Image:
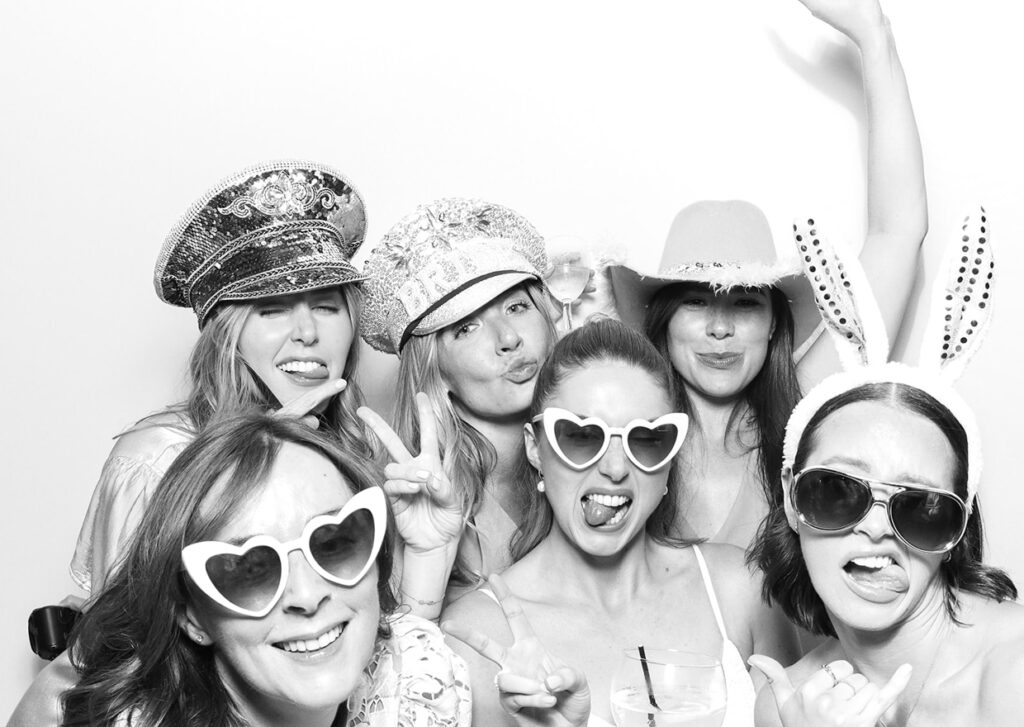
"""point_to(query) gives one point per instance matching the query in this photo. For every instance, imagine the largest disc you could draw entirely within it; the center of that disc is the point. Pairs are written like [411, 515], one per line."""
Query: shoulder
[41, 704]
[1002, 675]
[736, 583]
[149, 439]
[477, 609]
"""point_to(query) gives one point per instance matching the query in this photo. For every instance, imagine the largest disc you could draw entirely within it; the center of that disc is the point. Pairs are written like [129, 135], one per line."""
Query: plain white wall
[589, 118]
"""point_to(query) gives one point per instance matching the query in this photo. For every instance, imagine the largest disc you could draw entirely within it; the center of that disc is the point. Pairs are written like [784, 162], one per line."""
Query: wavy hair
[598, 341]
[769, 398]
[130, 652]
[469, 457]
[777, 551]
[222, 385]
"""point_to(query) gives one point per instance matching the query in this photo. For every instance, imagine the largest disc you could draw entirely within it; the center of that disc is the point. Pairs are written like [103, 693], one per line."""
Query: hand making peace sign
[428, 510]
[534, 687]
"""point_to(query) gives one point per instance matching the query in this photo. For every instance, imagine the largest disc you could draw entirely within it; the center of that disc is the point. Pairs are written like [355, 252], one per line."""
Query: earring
[540, 486]
[199, 638]
[665, 491]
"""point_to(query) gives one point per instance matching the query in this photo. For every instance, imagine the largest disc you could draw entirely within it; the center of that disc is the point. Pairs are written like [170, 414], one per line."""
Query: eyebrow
[241, 539]
[909, 478]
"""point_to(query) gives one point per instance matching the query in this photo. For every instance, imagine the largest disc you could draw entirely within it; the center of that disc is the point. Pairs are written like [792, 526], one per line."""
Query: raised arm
[896, 197]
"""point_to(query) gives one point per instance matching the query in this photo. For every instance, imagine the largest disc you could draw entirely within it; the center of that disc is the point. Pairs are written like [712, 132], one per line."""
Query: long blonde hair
[469, 457]
[223, 385]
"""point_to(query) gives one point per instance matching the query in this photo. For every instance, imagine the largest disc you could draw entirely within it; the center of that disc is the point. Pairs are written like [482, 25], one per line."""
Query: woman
[264, 260]
[737, 323]
[455, 290]
[902, 583]
[898, 584]
[214, 618]
[597, 568]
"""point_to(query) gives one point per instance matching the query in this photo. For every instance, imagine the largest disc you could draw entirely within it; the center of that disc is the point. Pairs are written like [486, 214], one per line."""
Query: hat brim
[286, 282]
[634, 290]
[468, 299]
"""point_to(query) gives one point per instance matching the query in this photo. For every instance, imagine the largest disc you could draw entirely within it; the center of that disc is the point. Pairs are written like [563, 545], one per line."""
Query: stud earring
[540, 486]
[199, 638]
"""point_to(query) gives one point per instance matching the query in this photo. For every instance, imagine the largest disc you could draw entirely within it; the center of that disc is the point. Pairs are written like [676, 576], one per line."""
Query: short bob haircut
[600, 340]
[130, 652]
[777, 549]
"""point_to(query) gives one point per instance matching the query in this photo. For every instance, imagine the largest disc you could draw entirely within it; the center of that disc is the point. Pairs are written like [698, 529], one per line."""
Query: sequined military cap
[272, 229]
[441, 263]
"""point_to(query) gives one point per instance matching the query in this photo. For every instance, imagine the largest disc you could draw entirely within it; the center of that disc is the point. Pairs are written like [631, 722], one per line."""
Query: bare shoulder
[734, 581]
[1000, 694]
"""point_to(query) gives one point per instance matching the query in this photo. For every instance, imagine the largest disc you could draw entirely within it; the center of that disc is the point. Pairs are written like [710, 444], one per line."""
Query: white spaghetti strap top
[739, 710]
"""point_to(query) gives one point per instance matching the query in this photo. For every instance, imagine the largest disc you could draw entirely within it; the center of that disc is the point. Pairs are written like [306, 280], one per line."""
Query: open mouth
[877, 572]
[605, 510]
[304, 370]
[318, 643]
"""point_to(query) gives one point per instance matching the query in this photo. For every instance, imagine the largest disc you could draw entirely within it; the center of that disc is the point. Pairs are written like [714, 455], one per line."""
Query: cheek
[257, 342]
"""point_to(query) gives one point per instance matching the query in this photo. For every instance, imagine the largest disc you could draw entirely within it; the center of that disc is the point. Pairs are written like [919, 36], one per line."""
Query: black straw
[650, 688]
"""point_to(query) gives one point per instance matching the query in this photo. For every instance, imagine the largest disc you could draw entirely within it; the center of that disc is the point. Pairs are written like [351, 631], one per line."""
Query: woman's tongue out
[601, 510]
[878, 572]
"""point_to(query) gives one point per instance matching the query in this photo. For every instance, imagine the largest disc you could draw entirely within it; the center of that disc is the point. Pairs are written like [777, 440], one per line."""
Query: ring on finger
[828, 670]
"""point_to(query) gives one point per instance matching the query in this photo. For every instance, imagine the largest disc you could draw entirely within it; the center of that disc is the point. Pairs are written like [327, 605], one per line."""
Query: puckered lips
[878, 575]
[305, 371]
[521, 370]
[315, 643]
[603, 509]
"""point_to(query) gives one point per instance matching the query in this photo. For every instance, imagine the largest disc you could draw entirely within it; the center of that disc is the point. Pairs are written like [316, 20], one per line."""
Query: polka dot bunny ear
[962, 304]
[844, 298]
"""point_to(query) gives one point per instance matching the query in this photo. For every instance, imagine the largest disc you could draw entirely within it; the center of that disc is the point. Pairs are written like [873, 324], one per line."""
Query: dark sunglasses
[250, 578]
[581, 442]
[925, 518]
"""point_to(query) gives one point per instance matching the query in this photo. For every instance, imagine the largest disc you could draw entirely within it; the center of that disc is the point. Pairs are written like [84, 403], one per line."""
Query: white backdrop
[589, 119]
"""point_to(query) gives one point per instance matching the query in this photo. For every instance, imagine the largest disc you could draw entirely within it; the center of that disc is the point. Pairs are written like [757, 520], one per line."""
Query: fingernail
[553, 683]
[423, 474]
[340, 384]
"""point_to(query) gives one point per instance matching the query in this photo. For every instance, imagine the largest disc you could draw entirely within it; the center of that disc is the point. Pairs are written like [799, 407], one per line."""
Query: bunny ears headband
[959, 316]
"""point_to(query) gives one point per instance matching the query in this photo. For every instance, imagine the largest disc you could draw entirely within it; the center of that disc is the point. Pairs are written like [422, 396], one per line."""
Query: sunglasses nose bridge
[876, 524]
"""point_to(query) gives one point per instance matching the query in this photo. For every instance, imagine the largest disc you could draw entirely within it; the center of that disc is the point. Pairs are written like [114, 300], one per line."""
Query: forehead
[616, 391]
[886, 442]
[301, 484]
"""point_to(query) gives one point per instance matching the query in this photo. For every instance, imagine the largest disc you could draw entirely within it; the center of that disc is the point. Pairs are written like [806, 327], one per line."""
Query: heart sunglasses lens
[579, 444]
[250, 580]
[344, 549]
[652, 446]
[830, 500]
[929, 521]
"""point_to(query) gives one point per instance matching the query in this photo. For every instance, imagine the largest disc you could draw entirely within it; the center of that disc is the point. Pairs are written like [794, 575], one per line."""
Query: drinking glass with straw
[666, 687]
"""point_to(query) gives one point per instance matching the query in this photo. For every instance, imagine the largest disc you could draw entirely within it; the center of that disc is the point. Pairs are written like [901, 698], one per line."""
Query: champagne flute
[666, 687]
[567, 283]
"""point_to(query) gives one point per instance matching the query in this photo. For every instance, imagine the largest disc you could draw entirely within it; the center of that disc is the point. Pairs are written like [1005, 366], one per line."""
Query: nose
[613, 463]
[303, 325]
[508, 338]
[876, 523]
[306, 590]
[720, 322]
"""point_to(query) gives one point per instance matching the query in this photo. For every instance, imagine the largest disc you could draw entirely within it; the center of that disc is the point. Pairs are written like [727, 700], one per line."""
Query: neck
[505, 435]
[611, 582]
[915, 641]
